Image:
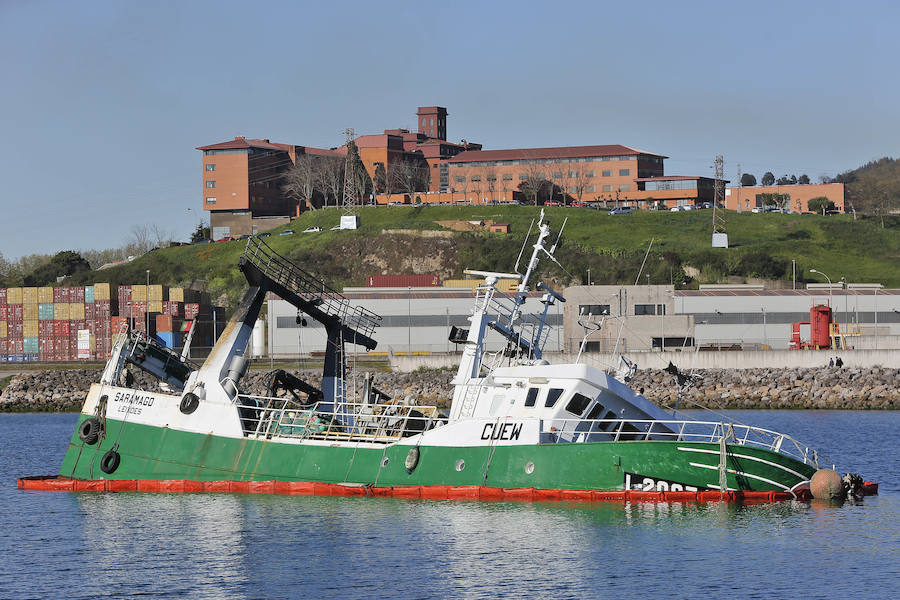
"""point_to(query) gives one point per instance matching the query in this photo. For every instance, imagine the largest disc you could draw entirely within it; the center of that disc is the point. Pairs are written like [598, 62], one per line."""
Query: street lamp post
[147, 308]
[846, 300]
[830, 297]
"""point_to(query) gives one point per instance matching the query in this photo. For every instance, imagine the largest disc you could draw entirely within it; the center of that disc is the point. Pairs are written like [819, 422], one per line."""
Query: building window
[523, 176]
[460, 179]
[556, 174]
[607, 173]
[607, 188]
[660, 309]
[590, 173]
[624, 172]
[210, 184]
[624, 187]
[573, 174]
[507, 177]
[644, 309]
[590, 189]
[593, 309]
[210, 200]
[475, 178]
[211, 167]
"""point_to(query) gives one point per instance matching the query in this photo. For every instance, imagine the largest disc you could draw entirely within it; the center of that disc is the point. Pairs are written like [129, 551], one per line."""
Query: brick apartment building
[242, 185]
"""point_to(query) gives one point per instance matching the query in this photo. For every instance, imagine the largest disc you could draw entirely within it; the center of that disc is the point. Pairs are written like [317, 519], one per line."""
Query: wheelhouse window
[552, 396]
[578, 404]
[531, 396]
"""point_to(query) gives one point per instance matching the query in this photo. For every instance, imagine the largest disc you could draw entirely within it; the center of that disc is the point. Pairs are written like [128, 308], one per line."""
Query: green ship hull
[160, 453]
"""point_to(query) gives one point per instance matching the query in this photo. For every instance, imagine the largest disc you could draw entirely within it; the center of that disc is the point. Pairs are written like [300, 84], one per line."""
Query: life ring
[110, 462]
[412, 459]
[189, 403]
[89, 431]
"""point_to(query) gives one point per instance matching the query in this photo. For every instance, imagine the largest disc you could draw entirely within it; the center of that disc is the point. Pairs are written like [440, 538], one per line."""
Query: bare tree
[535, 179]
[332, 179]
[303, 180]
[580, 182]
[489, 172]
[412, 177]
[161, 237]
[141, 239]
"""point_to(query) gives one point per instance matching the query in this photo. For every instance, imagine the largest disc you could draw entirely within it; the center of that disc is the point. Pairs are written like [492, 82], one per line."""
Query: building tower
[432, 121]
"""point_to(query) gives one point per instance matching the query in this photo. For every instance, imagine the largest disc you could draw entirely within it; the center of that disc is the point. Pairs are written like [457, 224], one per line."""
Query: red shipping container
[15, 346]
[14, 313]
[89, 311]
[45, 329]
[191, 310]
[403, 280]
[3, 343]
[164, 323]
[2, 295]
[3, 309]
[61, 328]
[75, 327]
[76, 294]
[60, 295]
[14, 329]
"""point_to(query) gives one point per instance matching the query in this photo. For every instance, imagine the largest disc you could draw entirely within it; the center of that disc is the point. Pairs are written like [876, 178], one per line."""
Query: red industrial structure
[819, 330]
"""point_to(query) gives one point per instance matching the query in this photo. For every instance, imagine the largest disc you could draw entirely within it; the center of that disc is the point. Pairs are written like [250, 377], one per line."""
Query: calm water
[89, 545]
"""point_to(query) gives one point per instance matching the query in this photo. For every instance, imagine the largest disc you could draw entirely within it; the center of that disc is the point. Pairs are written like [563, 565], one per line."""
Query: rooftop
[543, 153]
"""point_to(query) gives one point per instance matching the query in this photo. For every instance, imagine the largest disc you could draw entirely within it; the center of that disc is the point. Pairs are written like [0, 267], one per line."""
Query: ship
[518, 427]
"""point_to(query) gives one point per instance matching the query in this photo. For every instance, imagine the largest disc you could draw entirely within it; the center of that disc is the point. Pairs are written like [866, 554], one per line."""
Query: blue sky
[104, 102]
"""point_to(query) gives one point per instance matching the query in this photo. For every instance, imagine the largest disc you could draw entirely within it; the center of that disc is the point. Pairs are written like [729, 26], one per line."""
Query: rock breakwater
[825, 388]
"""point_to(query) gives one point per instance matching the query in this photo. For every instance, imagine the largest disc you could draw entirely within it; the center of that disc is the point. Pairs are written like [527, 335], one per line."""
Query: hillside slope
[408, 240]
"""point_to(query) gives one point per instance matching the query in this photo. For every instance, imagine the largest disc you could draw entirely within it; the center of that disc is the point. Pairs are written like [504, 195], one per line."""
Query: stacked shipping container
[80, 323]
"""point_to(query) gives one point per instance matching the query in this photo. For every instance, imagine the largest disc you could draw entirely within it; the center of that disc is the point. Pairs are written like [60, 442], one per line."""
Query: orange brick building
[794, 197]
[242, 185]
[582, 173]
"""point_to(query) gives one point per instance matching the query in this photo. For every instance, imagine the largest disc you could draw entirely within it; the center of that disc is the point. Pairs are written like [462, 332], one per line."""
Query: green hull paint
[161, 453]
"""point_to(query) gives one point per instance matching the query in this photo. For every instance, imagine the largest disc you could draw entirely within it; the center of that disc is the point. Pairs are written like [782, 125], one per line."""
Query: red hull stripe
[435, 492]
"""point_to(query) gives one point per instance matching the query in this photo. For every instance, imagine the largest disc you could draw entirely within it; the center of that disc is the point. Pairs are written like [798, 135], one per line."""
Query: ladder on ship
[268, 271]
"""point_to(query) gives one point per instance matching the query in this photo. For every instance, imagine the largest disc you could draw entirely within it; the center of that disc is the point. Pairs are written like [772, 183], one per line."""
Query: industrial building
[788, 197]
[642, 318]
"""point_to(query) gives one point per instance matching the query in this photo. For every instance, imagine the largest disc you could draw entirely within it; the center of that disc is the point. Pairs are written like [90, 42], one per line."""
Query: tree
[768, 178]
[412, 176]
[331, 179]
[380, 179]
[301, 181]
[581, 182]
[62, 264]
[748, 180]
[804, 179]
[820, 204]
[535, 180]
[200, 233]
[783, 180]
[489, 172]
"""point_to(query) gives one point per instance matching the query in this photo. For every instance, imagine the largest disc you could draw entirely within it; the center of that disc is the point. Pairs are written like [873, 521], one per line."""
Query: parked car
[242, 237]
[226, 239]
[287, 232]
[676, 209]
[312, 230]
[262, 235]
[621, 210]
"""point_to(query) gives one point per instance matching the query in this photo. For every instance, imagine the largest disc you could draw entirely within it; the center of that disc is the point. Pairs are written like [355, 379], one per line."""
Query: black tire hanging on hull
[110, 462]
[89, 431]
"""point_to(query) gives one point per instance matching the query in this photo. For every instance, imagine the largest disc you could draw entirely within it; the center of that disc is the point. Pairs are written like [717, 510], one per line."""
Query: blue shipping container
[88, 293]
[30, 345]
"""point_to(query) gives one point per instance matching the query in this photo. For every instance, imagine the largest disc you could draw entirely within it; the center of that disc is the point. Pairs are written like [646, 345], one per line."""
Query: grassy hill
[405, 240]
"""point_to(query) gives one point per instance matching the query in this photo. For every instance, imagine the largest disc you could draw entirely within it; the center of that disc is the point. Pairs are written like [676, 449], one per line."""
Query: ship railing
[595, 430]
[380, 423]
[309, 287]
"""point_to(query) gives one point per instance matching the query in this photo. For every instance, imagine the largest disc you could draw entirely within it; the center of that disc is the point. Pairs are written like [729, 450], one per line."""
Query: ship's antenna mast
[524, 243]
